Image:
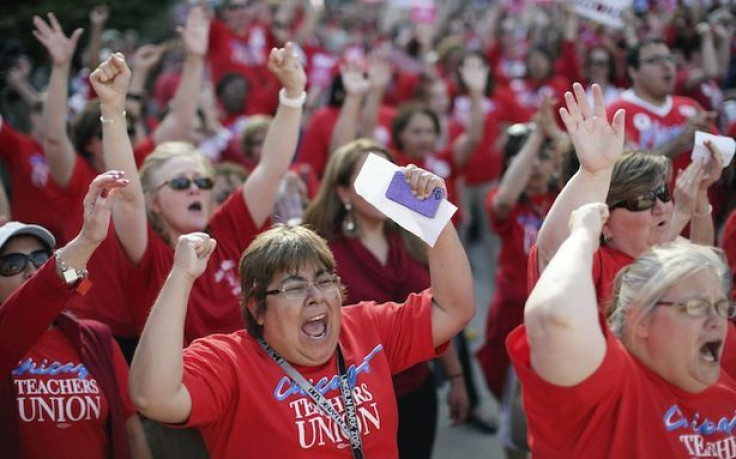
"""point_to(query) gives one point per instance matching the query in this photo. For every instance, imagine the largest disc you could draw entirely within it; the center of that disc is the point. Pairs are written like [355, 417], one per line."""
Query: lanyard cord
[351, 429]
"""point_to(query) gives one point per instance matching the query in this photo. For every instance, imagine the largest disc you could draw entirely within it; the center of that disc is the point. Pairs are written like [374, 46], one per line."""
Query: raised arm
[156, 371]
[261, 187]
[379, 76]
[356, 86]
[145, 58]
[97, 19]
[516, 177]
[177, 123]
[598, 145]
[701, 121]
[110, 81]
[474, 74]
[57, 146]
[451, 280]
[561, 315]
[702, 230]
[39, 298]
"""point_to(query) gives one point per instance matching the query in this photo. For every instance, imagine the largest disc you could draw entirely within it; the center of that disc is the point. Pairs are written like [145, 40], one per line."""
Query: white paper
[606, 12]
[725, 145]
[371, 184]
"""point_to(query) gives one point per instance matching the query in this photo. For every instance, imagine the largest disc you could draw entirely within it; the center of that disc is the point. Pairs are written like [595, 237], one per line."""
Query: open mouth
[195, 207]
[710, 351]
[316, 327]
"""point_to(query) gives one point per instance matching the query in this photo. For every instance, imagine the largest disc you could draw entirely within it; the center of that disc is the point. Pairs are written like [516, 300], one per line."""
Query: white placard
[725, 145]
[606, 12]
[372, 182]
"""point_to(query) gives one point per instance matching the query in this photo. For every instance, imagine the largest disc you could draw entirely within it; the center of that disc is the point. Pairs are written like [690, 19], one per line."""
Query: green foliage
[152, 19]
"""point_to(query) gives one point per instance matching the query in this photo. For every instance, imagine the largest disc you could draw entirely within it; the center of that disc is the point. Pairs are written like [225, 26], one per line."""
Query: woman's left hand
[98, 204]
[687, 185]
[457, 401]
[423, 183]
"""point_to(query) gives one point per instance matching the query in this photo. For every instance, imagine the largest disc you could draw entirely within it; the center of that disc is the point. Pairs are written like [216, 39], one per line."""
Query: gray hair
[642, 283]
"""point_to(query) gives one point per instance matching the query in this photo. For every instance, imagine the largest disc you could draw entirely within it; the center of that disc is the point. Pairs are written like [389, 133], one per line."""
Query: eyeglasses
[699, 307]
[299, 289]
[183, 183]
[13, 263]
[645, 201]
[599, 62]
[658, 60]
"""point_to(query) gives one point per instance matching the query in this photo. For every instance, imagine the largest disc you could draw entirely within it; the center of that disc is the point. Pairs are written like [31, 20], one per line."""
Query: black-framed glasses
[183, 183]
[645, 201]
[699, 307]
[658, 60]
[14, 263]
[299, 289]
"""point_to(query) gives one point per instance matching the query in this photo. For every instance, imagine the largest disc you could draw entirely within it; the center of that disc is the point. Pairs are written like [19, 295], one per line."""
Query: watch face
[70, 276]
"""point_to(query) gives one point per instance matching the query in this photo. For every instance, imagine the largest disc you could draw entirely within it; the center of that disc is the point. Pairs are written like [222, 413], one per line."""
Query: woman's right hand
[590, 218]
[597, 143]
[111, 80]
[192, 253]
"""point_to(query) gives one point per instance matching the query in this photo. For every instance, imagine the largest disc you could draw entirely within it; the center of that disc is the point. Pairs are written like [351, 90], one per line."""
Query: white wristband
[104, 120]
[287, 101]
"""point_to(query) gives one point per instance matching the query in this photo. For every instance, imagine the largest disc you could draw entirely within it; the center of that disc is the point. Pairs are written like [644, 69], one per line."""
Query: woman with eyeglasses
[174, 197]
[634, 187]
[378, 261]
[65, 381]
[645, 383]
[308, 377]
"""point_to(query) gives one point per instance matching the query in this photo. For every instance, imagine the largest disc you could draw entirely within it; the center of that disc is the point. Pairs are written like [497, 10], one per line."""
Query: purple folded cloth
[399, 191]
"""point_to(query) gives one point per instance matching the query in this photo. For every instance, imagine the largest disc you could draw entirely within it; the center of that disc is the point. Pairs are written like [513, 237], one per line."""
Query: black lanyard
[351, 429]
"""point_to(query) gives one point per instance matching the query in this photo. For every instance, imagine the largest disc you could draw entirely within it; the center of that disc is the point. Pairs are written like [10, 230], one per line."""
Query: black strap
[352, 428]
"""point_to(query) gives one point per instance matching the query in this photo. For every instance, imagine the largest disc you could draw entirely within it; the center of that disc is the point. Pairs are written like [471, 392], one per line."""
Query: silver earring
[348, 223]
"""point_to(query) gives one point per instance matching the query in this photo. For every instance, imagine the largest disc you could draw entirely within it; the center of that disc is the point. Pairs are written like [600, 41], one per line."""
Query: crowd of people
[187, 268]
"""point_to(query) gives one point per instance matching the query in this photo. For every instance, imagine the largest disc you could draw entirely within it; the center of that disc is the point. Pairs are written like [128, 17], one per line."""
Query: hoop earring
[349, 228]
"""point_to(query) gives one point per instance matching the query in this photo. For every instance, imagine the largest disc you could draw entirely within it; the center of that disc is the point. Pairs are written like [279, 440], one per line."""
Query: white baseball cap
[12, 229]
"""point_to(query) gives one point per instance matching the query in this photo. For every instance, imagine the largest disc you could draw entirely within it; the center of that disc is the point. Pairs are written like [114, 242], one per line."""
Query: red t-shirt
[649, 126]
[485, 163]
[623, 410]
[247, 55]
[35, 197]
[708, 94]
[315, 146]
[110, 272]
[214, 304]
[366, 279]
[62, 412]
[245, 406]
[607, 262]
[518, 233]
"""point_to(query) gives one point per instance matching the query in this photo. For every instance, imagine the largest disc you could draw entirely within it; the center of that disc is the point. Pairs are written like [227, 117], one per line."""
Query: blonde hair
[155, 162]
[641, 284]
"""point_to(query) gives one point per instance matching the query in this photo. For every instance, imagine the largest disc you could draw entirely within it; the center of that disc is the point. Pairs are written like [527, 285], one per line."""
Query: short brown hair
[282, 248]
[635, 173]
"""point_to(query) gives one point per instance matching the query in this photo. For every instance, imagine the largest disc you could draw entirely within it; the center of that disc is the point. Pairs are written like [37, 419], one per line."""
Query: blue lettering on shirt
[286, 387]
[29, 366]
[674, 419]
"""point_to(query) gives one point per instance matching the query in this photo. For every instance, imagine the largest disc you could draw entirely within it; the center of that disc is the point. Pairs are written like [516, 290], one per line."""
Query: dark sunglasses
[13, 263]
[183, 183]
[645, 201]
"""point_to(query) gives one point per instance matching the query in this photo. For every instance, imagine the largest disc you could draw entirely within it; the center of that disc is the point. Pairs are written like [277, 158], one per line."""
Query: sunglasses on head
[645, 201]
[13, 263]
[183, 183]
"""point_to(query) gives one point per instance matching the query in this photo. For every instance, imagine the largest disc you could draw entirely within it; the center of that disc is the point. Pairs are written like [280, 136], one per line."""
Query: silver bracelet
[104, 120]
[287, 101]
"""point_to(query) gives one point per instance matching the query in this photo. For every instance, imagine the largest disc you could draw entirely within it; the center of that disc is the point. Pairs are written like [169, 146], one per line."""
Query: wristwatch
[73, 277]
